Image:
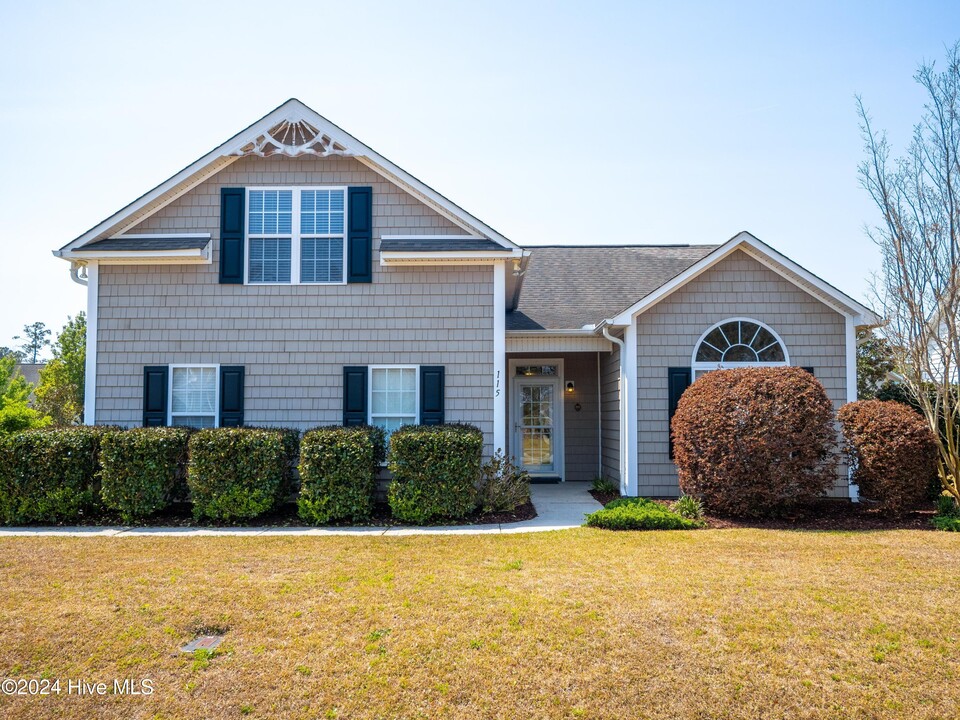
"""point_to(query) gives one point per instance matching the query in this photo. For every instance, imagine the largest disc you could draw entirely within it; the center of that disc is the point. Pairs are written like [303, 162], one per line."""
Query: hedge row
[229, 473]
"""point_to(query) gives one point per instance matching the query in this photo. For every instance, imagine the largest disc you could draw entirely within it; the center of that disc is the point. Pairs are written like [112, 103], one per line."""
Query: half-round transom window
[740, 341]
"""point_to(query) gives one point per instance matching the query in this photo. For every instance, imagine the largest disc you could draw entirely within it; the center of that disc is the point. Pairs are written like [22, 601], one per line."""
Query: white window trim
[216, 396]
[699, 368]
[295, 237]
[416, 390]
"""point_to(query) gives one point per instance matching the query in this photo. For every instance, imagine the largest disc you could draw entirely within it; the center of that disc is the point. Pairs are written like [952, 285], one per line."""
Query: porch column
[629, 484]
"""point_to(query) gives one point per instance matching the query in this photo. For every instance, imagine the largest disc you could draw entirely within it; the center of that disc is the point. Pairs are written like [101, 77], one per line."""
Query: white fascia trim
[433, 237]
[499, 357]
[90, 369]
[630, 443]
[192, 256]
[398, 257]
[744, 240]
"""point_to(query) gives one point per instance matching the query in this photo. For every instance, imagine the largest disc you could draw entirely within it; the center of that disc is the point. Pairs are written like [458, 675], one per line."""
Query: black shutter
[431, 395]
[360, 235]
[231, 396]
[155, 389]
[678, 380]
[231, 235]
[354, 395]
[809, 370]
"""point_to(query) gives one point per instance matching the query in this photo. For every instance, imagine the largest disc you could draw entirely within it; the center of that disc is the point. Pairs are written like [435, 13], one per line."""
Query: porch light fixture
[570, 386]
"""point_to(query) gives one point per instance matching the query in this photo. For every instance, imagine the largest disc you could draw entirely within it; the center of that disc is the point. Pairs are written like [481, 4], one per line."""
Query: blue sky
[566, 123]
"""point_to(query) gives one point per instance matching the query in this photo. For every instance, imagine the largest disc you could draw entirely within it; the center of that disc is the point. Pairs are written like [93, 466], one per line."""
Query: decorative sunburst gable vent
[293, 138]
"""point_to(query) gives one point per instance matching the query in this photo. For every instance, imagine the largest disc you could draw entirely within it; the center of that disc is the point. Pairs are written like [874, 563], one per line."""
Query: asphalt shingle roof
[445, 245]
[179, 243]
[568, 287]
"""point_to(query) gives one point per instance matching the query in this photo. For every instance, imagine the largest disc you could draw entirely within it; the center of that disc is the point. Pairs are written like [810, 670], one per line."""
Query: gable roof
[766, 255]
[292, 129]
[568, 287]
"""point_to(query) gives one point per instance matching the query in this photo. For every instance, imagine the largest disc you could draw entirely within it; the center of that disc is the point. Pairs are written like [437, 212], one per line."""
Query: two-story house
[295, 277]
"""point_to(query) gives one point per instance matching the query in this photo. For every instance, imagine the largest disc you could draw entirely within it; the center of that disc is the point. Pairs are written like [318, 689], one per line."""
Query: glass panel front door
[535, 426]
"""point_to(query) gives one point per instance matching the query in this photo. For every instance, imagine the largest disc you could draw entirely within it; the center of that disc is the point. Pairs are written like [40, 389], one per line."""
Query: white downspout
[624, 390]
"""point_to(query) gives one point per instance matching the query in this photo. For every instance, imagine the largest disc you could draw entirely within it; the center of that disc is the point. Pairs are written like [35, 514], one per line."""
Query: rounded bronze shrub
[892, 450]
[755, 441]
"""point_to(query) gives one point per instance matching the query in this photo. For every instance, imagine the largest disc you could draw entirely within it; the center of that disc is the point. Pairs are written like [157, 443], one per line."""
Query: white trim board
[90, 369]
[756, 249]
[228, 152]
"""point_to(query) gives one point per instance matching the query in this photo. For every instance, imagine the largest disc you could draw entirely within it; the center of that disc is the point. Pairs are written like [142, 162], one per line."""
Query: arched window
[738, 342]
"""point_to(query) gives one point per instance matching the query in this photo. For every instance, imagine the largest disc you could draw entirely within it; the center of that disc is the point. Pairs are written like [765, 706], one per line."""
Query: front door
[536, 424]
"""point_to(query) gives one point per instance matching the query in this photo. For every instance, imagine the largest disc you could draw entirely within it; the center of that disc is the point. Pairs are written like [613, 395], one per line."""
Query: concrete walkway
[559, 507]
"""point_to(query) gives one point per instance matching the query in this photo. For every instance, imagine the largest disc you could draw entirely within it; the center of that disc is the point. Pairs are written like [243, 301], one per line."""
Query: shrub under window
[435, 471]
[235, 472]
[755, 441]
[338, 472]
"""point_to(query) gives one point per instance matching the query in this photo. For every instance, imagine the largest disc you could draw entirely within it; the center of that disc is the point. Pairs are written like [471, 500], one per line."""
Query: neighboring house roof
[568, 287]
[292, 130]
[441, 244]
[185, 242]
[31, 371]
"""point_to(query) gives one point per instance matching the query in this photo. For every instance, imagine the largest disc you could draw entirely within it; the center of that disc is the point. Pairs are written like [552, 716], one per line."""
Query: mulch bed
[180, 515]
[823, 515]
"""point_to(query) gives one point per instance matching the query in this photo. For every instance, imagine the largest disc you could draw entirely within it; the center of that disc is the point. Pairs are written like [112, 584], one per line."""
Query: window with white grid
[393, 397]
[193, 396]
[296, 235]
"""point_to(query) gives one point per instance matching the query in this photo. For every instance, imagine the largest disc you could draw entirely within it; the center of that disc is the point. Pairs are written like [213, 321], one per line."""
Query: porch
[563, 414]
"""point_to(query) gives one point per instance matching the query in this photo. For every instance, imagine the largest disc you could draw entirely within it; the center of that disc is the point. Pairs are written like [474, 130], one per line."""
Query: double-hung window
[393, 397]
[296, 235]
[193, 396]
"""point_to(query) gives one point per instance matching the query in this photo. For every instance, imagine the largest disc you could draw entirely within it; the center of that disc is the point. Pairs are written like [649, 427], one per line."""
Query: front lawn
[741, 623]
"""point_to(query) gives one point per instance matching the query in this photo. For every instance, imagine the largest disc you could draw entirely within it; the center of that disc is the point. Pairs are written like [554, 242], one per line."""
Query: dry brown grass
[578, 624]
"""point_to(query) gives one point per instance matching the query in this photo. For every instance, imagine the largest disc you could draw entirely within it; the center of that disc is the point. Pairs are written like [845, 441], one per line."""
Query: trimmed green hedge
[236, 472]
[50, 475]
[290, 437]
[141, 469]
[639, 514]
[435, 471]
[338, 472]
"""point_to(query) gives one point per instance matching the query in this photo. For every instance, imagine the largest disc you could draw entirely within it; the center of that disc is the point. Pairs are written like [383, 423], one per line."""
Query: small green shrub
[639, 514]
[435, 471]
[503, 486]
[50, 475]
[235, 472]
[689, 507]
[338, 472]
[605, 486]
[290, 437]
[141, 469]
[947, 506]
[948, 523]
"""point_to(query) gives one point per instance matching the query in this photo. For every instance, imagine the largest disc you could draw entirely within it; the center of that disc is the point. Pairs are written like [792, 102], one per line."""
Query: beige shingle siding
[736, 287]
[295, 340]
[610, 412]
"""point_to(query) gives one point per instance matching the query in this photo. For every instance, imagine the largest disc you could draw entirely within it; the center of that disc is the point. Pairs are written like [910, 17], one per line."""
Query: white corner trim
[629, 480]
[90, 370]
[753, 247]
[851, 357]
[499, 357]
